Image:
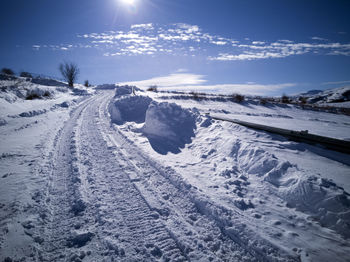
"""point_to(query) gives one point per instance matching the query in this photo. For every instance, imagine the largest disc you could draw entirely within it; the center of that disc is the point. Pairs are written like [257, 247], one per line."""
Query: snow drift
[129, 109]
[123, 90]
[169, 127]
[320, 198]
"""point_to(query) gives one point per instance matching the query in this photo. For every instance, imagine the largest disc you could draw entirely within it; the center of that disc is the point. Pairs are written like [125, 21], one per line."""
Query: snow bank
[324, 200]
[169, 127]
[131, 109]
[33, 113]
[320, 198]
[106, 86]
[123, 90]
[2, 122]
[21, 89]
[48, 82]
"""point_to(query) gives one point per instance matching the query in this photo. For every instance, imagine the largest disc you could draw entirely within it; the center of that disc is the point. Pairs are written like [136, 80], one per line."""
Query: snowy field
[112, 176]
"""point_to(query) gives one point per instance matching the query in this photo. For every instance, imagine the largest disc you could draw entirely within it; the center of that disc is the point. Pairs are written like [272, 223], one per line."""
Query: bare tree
[69, 72]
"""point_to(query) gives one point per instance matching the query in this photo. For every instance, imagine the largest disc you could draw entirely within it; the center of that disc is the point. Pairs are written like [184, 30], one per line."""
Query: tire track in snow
[126, 226]
[58, 213]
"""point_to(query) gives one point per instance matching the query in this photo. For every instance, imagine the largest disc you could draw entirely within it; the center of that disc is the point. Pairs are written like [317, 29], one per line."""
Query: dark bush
[32, 96]
[7, 71]
[263, 101]
[237, 98]
[26, 74]
[198, 96]
[86, 83]
[153, 88]
[285, 99]
[302, 100]
[47, 94]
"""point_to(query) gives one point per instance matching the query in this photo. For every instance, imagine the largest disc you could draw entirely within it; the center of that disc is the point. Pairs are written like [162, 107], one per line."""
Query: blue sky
[252, 47]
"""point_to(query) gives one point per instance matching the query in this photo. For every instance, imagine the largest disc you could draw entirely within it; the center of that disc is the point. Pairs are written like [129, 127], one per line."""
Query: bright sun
[128, 2]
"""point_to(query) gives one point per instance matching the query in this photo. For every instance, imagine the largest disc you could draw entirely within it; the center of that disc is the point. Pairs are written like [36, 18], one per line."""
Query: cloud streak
[281, 49]
[172, 80]
[193, 82]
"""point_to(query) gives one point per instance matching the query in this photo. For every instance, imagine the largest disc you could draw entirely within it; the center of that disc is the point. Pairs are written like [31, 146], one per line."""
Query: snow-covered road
[107, 200]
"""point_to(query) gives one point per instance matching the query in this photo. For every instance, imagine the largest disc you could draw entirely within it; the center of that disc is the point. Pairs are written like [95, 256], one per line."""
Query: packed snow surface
[114, 176]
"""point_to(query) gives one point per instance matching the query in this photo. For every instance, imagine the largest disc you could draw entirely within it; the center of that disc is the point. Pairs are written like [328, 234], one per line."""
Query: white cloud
[258, 43]
[193, 82]
[190, 40]
[172, 80]
[248, 56]
[336, 82]
[177, 38]
[281, 49]
[181, 70]
[248, 89]
[142, 26]
[337, 52]
[319, 38]
[219, 42]
[285, 41]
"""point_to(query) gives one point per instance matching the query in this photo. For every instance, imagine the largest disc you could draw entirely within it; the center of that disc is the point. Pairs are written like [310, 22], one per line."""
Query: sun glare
[128, 2]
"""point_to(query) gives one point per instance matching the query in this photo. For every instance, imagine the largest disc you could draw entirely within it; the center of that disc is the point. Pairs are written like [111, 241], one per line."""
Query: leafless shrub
[70, 72]
[153, 88]
[302, 100]
[237, 98]
[198, 96]
[263, 101]
[285, 99]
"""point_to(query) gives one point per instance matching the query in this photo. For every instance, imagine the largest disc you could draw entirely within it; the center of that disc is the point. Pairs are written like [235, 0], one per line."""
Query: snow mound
[11, 90]
[48, 82]
[33, 113]
[323, 199]
[3, 122]
[320, 198]
[123, 90]
[169, 127]
[207, 121]
[129, 109]
[65, 104]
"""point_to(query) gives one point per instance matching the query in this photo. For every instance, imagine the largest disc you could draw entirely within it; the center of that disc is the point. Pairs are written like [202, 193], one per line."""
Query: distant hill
[335, 95]
[311, 92]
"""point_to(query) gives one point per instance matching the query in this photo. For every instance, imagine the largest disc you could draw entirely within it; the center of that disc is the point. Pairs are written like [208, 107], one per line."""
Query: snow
[114, 175]
[168, 127]
[278, 115]
[129, 109]
[331, 96]
[242, 168]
